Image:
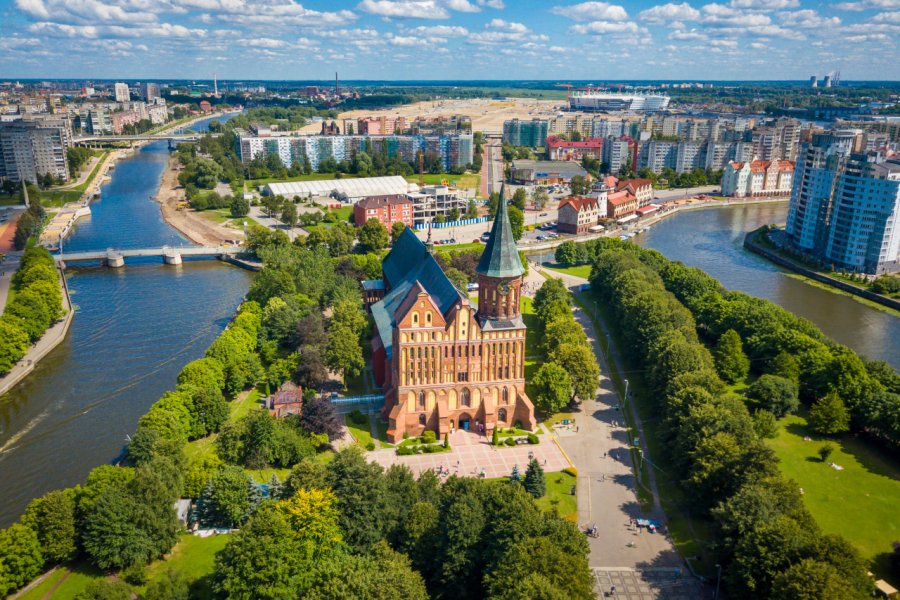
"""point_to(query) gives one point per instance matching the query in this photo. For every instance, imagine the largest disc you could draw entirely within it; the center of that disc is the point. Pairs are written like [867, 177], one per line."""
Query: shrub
[357, 418]
[370, 446]
[533, 439]
[432, 449]
[429, 437]
[406, 450]
[510, 441]
[571, 471]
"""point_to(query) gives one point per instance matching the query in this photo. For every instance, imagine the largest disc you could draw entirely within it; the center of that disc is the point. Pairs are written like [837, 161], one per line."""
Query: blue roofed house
[445, 362]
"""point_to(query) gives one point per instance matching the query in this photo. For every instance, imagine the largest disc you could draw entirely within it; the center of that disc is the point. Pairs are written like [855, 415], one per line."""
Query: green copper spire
[500, 257]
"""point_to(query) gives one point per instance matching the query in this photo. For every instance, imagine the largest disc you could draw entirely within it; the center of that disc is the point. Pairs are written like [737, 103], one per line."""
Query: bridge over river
[171, 255]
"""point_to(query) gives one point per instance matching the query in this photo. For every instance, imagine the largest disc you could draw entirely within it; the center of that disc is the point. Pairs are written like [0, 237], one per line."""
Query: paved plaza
[648, 584]
[472, 452]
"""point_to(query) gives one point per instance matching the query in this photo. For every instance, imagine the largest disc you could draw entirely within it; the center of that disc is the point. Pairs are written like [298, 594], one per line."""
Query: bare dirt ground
[190, 224]
[487, 115]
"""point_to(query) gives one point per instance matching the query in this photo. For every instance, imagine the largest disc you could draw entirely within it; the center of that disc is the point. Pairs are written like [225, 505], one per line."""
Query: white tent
[354, 188]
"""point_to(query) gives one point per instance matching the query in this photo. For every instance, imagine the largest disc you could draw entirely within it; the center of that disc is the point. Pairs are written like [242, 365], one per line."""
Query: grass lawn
[583, 271]
[463, 246]
[239, 408]
[360, 433]
[859, 503]
[195, 558]
[80, 575]
[254, 183]
[515, 431]
[470, 181]
[533, 356]
[59, 198]
[559, 495]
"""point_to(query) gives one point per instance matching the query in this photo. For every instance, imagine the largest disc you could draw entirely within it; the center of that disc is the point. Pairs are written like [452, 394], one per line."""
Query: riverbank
[172, 204]
[668, 210]
[54, 335]
[753, 243]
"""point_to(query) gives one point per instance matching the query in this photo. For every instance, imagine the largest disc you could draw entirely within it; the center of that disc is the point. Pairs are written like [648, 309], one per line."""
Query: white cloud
[725, 43]
[404, 9]
[592, 11]
[440, 31]
[670, 12]
[868, 4]
[604, 27]
[759, 46]
[160, 30]
[497, 4]
[12, 43]
[765, 4]
[887, 17]
[399, 40]
[871, 37]
[687, 36]
[808, 19]
[462, 6]
[83, 11]
[507, 26]
[559, 49]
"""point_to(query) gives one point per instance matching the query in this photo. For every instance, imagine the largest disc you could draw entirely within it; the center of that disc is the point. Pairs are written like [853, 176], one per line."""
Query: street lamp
[626, 390]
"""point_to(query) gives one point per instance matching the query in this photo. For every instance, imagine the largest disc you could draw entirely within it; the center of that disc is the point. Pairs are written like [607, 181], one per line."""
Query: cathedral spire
[501, 257]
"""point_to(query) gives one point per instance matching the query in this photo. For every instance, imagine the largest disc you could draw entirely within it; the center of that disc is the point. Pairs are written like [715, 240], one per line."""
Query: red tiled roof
[620, 197]
[634, 184]
[380, 201]
[578, 202]
[761, 166]
[554, 142]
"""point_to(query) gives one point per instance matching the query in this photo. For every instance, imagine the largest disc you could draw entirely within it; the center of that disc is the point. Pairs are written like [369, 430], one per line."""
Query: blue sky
[449, 39]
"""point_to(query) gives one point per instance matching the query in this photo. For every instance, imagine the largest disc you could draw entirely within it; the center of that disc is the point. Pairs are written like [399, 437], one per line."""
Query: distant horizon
[597, 82]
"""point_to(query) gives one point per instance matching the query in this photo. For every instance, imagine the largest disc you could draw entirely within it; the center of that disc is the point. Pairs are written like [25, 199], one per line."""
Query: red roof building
[205, 106]
[642, 189]
[577, 214]
[621, 203]
[387, 209]
[559, 149]
[288, 400]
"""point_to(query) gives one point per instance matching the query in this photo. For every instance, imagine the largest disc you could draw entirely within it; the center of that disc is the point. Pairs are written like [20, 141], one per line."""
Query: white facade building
[122, 93]
[757, 178]
[603, 101]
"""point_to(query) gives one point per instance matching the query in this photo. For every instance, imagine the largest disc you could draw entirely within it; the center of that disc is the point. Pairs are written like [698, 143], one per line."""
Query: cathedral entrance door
[464, 422]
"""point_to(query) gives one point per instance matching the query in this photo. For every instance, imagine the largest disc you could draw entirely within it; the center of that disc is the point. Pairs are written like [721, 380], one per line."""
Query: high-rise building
[845, 205]
[122, 93]
[525, 133]
[34, 147]
[777, 139]
[149, 90]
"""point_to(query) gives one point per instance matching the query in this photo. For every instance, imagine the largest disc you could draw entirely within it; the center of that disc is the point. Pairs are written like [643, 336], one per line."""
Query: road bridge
[171, 255]
[172, 138]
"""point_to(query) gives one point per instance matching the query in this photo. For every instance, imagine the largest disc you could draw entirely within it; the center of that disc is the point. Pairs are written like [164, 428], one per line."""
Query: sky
[449, 39]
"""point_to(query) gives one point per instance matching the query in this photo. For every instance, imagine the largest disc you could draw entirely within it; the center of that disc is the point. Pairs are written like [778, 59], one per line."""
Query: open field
[583, 271]
[467, 181]
[559, 495]
[858, 502]
[486, 114]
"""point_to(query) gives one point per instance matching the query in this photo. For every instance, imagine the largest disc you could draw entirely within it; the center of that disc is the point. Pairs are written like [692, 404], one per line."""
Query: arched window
[415, 318]
[501, 414]
[505, 397]
[466, 398]
[422, 401]
[422, 419]
[428, 318]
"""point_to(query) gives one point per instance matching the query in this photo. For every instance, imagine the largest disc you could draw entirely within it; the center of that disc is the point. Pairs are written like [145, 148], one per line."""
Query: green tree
[566, 253]
[731, 362]
[539, 198]
[373, 236]
[765, 424]
[171, 585]
[343, 354]
[552, 388]
[810, 579]
[774, 394]
[552, 290]
[289, 214]
[829, 416]
[397, 230]
[225, 502]
[516, 222]
[518, 199]
[534, 479]
[20, 557]
[359, 488]
[458, 278]
[103, 589]
[579, 185]
[14, 343]
[786, 366]
[52, 517]
[239, 207]
[825, 451]
[538, 567]
[581, 365]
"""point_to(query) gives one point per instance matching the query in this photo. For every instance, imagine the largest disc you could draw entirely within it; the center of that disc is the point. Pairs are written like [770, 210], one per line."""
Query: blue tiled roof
[405, 264]
[501, 257]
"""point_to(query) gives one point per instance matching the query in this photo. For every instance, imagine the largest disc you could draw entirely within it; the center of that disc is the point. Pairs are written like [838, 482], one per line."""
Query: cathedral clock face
[503, 288]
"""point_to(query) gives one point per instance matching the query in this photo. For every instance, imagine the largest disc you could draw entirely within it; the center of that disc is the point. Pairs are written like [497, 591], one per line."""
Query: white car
[472, 287]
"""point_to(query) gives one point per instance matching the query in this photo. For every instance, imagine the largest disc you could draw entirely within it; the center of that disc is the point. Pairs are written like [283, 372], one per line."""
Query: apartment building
[758, 178]
[122, 92]
[397, 208]
[616, 153]
[150, 91]
[34, 146]
[845, 205]
[559, 149]
[578, 214]
[525, 133]
[453, 151]
[778, 138]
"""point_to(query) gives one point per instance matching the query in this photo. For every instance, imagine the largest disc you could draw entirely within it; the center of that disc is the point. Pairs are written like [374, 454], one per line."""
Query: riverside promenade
[54, 335]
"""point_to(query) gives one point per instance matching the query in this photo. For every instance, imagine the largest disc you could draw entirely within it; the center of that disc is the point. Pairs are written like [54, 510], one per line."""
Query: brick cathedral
[445, 362]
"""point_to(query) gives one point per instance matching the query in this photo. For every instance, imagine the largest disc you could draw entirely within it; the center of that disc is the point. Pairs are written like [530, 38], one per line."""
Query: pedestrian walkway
[648, 584]
[471, 453]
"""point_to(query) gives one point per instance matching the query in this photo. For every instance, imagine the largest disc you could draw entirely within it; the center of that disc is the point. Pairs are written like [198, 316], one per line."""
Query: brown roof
[760, 166]
[634, 184]
[287, 394]
[578, 202]
[381, 201]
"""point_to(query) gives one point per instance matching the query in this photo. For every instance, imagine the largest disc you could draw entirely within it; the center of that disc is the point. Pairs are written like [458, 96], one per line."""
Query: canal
[133, 331]
[712, 239]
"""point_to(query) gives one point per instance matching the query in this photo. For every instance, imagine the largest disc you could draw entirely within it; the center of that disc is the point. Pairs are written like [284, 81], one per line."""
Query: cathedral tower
[500, 273]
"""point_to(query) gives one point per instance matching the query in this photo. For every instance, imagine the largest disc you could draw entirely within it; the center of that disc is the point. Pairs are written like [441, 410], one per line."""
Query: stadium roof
[354, 187]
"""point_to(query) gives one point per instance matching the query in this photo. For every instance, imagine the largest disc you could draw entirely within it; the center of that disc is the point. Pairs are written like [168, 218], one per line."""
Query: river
[712, 239]
[133, 330]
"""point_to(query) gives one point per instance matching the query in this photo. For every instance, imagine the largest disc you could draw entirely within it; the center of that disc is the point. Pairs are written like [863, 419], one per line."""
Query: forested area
[693, 339]
[35, 305]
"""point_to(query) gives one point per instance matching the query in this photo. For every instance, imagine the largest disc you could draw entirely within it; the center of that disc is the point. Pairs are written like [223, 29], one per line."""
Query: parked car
[472, 287]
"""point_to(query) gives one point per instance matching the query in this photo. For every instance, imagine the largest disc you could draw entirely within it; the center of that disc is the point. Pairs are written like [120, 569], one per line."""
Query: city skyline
[449, 39]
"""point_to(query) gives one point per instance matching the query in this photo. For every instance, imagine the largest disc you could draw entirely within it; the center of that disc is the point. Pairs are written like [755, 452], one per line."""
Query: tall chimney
[337, 88]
